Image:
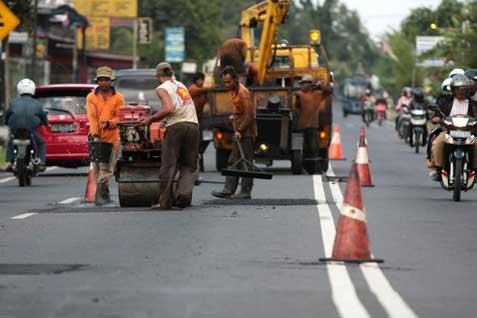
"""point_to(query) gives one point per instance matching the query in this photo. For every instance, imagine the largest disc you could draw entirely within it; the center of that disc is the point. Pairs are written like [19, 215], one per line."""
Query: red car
[66, 137]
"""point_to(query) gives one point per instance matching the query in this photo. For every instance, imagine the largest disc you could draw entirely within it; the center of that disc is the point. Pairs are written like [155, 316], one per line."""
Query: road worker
[179, 153]
[102, 107]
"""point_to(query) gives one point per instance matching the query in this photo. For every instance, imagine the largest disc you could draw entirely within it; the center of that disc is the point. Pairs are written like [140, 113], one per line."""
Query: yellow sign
[8, 21]
[107, 8]
[97, 34]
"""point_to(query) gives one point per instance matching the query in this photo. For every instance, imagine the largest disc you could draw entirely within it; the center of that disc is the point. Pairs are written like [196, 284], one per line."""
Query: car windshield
[139, 89]
[73, 104]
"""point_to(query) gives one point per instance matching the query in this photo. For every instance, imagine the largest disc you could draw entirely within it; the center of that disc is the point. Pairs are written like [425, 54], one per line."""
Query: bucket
[100, 151]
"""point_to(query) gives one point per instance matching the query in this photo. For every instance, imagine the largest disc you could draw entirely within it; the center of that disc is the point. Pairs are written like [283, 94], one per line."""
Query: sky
[380, 16]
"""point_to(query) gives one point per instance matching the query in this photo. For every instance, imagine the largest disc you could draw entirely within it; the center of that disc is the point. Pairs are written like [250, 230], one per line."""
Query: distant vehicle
[354, 88]
[66, 137]
[138, 86]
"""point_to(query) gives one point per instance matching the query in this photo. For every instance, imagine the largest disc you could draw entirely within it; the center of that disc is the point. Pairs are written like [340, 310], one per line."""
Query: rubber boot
[106, 197]
[231, 184]
[245, 190]
[100, 193]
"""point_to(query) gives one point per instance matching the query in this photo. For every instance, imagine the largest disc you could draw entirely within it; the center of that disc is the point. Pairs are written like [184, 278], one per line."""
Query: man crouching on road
[243, 117]
[102, 107]
[180, 149]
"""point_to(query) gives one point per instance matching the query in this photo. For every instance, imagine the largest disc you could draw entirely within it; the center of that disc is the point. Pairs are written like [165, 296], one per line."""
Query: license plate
[460, 134]
[62, 128]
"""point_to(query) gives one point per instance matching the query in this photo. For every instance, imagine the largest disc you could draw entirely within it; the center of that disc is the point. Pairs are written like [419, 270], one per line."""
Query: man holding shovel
[245, 126]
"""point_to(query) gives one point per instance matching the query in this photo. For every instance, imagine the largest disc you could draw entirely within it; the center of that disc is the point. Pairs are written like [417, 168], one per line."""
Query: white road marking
[69, 200]
[392, 302]
[5, 180]
[23, 216]
[343, 292]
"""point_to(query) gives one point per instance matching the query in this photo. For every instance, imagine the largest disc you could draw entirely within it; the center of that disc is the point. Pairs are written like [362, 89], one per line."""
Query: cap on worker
[164, 69]
[104, 71]
[307, 79]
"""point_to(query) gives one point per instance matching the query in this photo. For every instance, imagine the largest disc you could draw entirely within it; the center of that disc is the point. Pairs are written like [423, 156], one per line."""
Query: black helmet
[418, 94]
[471, 74]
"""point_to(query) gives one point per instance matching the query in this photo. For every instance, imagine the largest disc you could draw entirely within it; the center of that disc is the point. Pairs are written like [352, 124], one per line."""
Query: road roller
[139, 159]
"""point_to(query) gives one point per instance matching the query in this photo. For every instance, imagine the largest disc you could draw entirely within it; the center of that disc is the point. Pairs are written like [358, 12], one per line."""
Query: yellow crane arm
[271, 13]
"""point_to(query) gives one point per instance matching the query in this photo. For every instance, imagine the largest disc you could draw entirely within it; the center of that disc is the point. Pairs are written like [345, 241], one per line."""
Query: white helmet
[456, 71]
[446, 84]
[26, 86]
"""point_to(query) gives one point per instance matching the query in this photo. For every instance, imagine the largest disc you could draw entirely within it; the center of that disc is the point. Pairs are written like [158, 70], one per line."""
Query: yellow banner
[97, 34]
[107, 8]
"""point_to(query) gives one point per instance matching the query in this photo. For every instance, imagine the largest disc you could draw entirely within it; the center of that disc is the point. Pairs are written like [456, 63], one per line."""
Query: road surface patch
[39, 269]
[262, 202]
[24, 216]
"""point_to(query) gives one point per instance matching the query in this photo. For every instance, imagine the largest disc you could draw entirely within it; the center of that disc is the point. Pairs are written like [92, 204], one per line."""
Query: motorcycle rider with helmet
[25, 112]
[458, 103]
[404, 100]
[472, 76]
[418, 102]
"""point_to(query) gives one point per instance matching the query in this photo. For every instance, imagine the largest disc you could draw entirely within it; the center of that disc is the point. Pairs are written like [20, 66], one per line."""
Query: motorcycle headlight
[460, 122]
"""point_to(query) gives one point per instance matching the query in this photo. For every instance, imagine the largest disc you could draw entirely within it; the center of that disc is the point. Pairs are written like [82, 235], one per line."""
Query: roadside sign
[8, 21]
[97, 34]
[144, 30]
[427, 43]
[175, 44]
[107, 8]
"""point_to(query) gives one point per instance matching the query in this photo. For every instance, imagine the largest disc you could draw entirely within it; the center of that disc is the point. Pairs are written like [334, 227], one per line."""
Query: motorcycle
[459, 143]
[417, 128]
[368, 114]
[381, 113]
[404, 123]
[25, 159]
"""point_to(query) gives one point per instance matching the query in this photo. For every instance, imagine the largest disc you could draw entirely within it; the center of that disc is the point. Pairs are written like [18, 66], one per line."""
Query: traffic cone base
[351, 242]
[336, 151]
[90, 191]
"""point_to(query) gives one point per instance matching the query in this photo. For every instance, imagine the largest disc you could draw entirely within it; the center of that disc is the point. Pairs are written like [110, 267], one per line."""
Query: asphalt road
[254, 259]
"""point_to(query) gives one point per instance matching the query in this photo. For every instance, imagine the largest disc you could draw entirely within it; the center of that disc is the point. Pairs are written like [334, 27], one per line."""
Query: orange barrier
[336, 151]
[90, 192]
[362, 163]
[351, 240]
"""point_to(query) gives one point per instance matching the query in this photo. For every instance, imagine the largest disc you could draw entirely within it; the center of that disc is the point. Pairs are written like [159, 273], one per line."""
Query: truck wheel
[297, 162]
[221, 158]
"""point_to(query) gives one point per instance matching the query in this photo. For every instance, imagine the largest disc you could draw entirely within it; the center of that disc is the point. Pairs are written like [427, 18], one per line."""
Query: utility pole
[33, 51]
[134, 48]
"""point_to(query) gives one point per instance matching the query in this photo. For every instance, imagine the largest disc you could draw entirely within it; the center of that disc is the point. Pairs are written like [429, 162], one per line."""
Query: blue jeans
[38, 143]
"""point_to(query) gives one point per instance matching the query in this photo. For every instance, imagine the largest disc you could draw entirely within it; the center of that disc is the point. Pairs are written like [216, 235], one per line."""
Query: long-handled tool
[249, 170]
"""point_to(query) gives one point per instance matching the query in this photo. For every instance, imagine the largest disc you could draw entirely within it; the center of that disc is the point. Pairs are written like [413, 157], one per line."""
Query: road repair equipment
[351, 240]
[245, 168]
[362, 163]
[139, 160]
[336, 150]
[90, 192]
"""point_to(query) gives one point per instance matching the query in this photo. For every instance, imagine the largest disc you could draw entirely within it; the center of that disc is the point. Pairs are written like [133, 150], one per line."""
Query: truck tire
[297, 162]
[221, 158]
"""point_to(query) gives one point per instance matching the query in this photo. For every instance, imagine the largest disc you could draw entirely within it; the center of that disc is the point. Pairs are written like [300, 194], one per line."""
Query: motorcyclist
[472, 76]
[458, 103]
[419, 102]
[368, 101]
[404, 100]
[25, 112]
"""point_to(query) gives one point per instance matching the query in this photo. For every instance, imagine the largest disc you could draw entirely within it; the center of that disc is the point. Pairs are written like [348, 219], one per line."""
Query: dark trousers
[38, 144]
[310, 143]
[179, 153]
[231, 183]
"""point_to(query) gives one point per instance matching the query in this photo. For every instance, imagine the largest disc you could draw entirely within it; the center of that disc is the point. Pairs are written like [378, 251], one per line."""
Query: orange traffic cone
[90, 192]
[351, 240]
[362, 163]
[336, 151]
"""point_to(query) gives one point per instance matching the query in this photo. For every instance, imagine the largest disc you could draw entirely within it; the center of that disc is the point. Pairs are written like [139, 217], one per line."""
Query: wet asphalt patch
[262, 202]
[39, 269]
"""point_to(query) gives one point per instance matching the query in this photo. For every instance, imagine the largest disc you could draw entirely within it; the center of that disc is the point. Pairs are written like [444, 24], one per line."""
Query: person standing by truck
[245, 127]
[102, 108]
[180, 148]
[309, 103]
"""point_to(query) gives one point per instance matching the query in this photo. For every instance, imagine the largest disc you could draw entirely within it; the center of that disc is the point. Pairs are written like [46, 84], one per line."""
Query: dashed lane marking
[69, 200]
[343, 291]
[23, 216]
[5, 180]
[392, 302]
